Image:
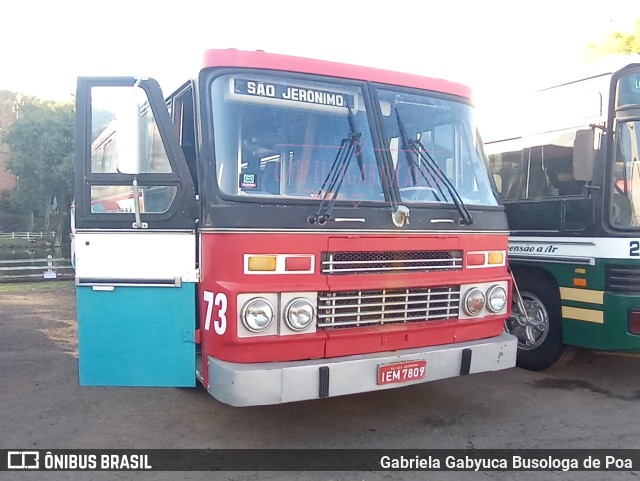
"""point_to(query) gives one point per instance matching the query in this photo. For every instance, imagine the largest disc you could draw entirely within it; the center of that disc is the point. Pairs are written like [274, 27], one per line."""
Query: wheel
[539, 333]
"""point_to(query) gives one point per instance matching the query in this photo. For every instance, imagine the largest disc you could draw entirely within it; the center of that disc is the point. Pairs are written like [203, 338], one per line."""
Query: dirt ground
[591, 402]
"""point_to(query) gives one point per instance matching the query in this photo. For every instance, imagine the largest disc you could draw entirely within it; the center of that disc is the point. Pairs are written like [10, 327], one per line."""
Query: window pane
[625, 199]
[549, 167]
[507, 173]
[432, 139]
[280, 137]
[628, 89]
[119, 199]
[537, 181]
[124, 133]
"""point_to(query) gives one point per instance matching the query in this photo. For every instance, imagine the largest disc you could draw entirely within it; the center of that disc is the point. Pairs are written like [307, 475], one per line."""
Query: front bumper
[280, 382]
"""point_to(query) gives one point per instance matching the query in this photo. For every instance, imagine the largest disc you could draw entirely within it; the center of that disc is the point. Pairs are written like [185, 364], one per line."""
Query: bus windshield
[446, 133]
[625, 201]
[280, 137]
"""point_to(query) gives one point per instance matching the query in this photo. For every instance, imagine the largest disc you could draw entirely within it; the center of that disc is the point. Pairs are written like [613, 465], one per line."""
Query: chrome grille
[390, 261]
[388, 306]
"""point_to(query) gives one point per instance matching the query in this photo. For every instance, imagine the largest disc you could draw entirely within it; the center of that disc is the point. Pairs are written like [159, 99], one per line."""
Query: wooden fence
[27, 235]
[15, 270]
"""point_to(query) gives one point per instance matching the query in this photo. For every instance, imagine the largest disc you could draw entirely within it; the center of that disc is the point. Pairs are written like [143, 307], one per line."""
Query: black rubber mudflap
[465, 365]
[324, 382]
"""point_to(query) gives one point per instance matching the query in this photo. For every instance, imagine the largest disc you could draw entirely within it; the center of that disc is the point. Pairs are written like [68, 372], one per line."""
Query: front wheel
[537, 323]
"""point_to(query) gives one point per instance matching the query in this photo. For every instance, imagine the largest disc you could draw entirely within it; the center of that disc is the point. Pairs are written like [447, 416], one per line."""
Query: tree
[617, 43]
[41, 144]
[8, 104]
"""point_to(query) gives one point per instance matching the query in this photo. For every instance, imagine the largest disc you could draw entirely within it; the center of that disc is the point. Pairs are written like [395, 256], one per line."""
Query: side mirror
[128, 132]
[584, 155]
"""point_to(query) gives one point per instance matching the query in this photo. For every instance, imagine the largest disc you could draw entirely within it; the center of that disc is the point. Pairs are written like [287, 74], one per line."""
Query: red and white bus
[294, 229]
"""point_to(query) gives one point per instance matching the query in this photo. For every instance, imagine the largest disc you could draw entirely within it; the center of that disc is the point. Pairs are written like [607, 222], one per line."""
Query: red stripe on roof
[262, 60]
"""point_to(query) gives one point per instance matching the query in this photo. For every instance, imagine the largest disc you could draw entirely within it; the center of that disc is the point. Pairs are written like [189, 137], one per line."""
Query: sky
[495, 46]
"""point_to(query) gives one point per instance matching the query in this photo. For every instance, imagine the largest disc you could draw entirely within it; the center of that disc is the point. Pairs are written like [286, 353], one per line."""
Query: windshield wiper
[412, 146]
[335, 178]
[413, 166]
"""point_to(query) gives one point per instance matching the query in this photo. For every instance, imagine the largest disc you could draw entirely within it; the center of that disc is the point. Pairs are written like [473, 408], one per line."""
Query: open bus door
[135, 243]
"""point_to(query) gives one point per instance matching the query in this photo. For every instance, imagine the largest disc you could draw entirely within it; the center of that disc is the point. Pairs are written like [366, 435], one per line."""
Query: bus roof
[574, 97]
[262, 60]
[603, 66]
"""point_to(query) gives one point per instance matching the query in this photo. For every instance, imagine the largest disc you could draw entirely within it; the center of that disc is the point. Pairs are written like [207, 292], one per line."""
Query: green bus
[568, 172]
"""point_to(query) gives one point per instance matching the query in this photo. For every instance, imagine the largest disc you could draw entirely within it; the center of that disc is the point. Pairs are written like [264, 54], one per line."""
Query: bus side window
[507, 167]
[537, 180]
[559, 166]
[550, 166]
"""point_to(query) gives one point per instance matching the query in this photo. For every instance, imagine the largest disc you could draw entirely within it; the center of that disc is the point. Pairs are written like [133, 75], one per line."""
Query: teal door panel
[136, 336]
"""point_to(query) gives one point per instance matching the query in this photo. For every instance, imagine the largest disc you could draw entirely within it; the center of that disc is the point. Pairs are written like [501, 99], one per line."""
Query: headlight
[496, 298]
[257, 314]
[474, 302]
[299, 314]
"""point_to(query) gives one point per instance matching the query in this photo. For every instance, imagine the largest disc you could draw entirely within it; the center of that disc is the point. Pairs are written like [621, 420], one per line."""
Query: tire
[542, 303]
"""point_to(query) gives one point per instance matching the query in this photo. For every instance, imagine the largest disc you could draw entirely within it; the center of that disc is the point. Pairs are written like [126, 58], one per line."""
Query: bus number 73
[220, 301]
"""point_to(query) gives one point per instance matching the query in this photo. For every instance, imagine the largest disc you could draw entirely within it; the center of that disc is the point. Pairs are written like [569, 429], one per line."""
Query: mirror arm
[136, 204]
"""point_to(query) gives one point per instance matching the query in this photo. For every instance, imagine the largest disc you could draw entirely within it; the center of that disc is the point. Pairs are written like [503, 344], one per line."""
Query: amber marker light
[579, 282]
[496, 257]
[261, 263]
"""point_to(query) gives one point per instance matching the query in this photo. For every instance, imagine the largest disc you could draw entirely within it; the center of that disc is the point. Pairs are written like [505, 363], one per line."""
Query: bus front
[570, 181]
[350, 238]
[621, 248]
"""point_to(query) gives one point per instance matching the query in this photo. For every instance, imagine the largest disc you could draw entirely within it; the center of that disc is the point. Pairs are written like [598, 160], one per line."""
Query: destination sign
[259, 88]
[629, 89]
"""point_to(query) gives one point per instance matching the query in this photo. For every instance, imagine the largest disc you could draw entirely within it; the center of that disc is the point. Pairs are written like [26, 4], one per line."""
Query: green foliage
[618, 43]
[41, 143]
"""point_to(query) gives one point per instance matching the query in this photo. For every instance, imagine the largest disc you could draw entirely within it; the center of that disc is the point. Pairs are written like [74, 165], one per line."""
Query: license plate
[402, 371]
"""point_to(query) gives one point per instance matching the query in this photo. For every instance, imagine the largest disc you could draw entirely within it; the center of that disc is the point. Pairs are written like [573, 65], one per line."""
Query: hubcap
[532, 329]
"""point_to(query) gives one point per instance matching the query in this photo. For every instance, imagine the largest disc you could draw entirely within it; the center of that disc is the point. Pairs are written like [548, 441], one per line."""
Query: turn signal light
[496, 257]
[262, 263]
[485, 258]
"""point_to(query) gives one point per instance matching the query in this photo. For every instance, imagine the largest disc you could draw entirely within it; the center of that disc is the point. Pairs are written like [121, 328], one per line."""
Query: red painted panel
[392, 337]
[472, 329]
[222, 272]
[273, 348]
[262, 60]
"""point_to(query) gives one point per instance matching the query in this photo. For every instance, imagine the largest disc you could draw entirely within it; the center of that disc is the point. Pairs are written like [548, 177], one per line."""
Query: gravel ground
[591, 402]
